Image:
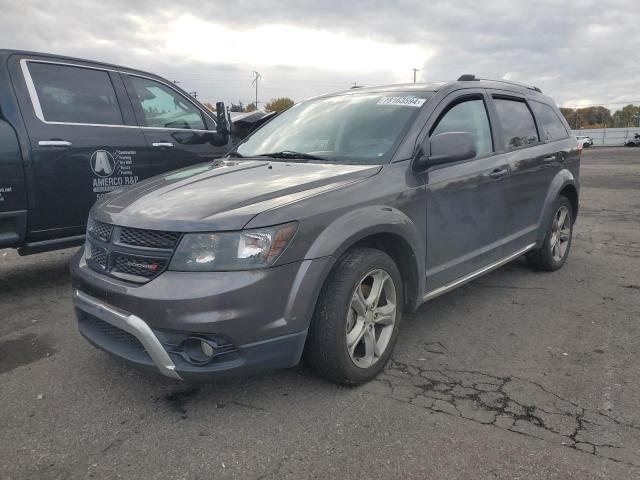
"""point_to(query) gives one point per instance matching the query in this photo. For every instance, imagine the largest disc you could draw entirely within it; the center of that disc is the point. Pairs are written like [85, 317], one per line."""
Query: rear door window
[552, 126]
[163, 107]
[468, 116]
[518, 127]
[72, 94]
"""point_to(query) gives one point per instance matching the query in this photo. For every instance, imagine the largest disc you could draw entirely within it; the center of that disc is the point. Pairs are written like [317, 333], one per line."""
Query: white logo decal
[112, 171]
[102, 163]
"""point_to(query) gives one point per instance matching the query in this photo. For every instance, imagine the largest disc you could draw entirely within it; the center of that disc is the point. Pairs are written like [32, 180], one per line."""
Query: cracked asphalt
[516, 375]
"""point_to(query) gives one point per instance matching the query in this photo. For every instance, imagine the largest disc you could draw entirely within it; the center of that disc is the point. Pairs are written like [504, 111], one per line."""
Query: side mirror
[446, 148]
[222, 127]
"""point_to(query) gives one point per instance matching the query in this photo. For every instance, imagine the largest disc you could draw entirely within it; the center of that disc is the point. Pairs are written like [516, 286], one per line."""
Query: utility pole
[415, 70]
[256, 77]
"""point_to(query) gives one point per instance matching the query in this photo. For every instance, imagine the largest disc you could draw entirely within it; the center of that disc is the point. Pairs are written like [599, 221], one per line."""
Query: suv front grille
[131, 254]
[98, 256]
[99, 230]
[148, 238]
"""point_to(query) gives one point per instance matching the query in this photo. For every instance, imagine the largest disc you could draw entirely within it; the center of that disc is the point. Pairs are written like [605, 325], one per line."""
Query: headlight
[246, 250]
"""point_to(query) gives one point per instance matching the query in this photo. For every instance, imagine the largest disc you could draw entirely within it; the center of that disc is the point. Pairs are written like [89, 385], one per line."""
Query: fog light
[199, 351]
[206, 349]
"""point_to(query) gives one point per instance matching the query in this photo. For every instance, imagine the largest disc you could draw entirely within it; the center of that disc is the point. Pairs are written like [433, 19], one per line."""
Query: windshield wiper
[290, 154]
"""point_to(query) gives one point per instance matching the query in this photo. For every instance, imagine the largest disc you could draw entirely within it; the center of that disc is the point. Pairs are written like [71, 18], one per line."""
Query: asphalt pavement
[519, 374]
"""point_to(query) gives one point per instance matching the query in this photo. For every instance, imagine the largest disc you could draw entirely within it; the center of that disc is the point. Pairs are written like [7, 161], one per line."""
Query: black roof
[6, 53]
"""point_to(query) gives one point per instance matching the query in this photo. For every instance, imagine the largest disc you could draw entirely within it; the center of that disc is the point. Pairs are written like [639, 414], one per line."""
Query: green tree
[210, 107]
[251, 108]
[588, 117]
[595, 117]
[627, 116]
[569, 115]
[279, 104]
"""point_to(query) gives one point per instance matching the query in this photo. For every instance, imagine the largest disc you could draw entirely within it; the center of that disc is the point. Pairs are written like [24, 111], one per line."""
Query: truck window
[518, 127]
[468, 116]
[162, 107]
[74, 94]
[552, 126]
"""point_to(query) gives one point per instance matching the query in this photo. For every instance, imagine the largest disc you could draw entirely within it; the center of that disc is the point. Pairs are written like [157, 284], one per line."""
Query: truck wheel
[355, 323]
[557, 242]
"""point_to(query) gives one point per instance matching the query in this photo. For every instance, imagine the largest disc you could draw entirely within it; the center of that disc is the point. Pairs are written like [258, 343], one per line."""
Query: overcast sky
[577, 51]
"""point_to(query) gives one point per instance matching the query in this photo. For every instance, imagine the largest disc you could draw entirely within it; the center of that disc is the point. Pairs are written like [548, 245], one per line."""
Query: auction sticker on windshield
[405, 101]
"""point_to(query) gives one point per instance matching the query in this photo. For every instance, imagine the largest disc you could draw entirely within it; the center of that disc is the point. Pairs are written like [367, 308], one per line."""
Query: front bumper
[261, 317]
[132, 324]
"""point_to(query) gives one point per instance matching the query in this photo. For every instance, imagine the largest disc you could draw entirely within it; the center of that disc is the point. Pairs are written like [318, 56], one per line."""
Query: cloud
[278, 44]
[577, 49]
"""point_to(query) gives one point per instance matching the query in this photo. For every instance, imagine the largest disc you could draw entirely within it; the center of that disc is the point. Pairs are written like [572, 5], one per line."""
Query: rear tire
[557, 242]
[353, 331]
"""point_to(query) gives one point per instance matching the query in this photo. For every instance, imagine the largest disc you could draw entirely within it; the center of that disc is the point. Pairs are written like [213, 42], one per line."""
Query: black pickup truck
[72, 130]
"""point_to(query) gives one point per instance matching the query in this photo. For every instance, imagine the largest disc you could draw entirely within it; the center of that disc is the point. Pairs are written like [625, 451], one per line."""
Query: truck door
[84, 141]
[13, 195]
[178, 132]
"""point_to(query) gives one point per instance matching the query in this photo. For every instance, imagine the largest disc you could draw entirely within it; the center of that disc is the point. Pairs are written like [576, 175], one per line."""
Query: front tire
[355, 324]
[557, 242]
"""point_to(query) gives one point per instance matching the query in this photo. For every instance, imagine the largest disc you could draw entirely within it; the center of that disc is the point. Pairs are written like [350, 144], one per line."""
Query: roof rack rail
[509, 82]
[472, 78]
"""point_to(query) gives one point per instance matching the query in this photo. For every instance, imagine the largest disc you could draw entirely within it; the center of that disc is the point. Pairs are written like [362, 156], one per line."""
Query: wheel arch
[565, 184]
[400, 251]
[571, 193]
[385, 228]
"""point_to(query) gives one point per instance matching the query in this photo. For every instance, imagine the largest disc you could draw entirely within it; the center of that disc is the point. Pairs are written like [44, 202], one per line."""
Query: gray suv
[315, 234]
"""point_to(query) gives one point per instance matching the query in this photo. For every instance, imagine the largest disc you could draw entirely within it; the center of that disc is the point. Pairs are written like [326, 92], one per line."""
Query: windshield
[359, 128]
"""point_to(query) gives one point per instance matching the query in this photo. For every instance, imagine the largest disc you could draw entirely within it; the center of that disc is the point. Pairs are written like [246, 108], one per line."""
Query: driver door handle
[162, 144]
[499, 173]
[550, 158]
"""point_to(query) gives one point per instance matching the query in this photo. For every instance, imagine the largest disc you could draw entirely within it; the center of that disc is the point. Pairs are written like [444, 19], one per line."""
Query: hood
[223, 195]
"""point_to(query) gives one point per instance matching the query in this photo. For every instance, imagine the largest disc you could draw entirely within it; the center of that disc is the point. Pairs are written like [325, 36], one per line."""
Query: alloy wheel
[560, 233]
[371, 318]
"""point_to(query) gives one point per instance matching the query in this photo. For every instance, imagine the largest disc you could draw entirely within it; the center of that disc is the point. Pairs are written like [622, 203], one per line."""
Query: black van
[72, 130]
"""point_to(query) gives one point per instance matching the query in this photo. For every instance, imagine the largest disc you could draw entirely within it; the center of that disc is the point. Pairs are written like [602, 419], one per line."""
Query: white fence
[607, 137]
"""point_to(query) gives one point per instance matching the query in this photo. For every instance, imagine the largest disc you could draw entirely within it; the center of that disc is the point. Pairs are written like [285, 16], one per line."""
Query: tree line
[274, 105]
[601, 117]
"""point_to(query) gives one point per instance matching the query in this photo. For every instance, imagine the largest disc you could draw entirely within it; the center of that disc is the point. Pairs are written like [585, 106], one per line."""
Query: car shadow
[50, 272]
